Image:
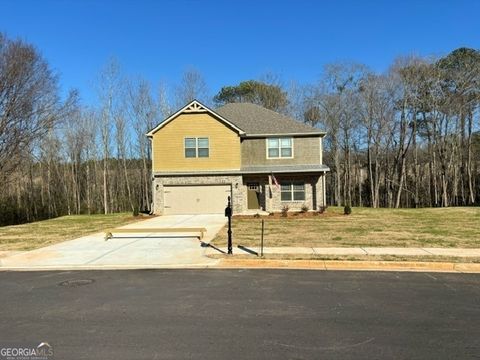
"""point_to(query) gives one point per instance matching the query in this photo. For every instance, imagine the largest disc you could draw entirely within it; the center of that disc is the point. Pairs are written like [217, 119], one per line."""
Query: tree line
[408, 137]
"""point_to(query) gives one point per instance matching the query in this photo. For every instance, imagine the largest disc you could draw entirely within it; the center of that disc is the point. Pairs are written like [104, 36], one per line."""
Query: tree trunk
[105, 189]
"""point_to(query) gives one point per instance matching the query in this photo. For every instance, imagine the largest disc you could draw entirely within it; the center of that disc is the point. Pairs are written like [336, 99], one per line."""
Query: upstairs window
[279, 148]
[202, 147]
[292, 191]
[197, 147]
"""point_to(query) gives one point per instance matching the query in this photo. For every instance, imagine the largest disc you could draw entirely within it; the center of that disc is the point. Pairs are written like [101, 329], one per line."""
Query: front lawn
[429, 227]
[42, 233]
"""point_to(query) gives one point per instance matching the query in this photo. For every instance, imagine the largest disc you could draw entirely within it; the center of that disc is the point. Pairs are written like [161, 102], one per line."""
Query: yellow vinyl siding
[168, 144]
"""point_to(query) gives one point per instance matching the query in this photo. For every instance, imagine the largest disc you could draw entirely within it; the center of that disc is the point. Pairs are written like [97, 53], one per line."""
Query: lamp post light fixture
[228, 214]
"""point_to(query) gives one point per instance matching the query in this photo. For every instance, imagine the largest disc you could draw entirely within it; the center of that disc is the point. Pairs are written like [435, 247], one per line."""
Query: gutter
[243, 172]
[320, 133]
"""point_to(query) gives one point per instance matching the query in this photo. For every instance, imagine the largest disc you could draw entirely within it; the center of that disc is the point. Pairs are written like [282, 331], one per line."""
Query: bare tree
[29, 103]
[336, 100]
[192, 86]
[107, 87]
[145, 113]
[377, 111]
[164, 106]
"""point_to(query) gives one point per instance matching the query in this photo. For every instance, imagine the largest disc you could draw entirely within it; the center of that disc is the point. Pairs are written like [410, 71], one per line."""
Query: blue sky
[230, 41]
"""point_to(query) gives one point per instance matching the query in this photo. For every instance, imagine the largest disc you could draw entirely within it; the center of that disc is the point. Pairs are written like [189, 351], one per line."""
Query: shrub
[135, 211]
[347, 210]
[322, 209]
[305, 208]
[285, 209]
[257, 215]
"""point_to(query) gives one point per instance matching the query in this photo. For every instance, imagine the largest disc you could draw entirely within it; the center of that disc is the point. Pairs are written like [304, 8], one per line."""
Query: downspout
[152, 205]
[324, 190]
[270, 195]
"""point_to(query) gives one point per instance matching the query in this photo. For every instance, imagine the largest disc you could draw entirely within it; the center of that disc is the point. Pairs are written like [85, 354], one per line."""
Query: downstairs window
[292, 191]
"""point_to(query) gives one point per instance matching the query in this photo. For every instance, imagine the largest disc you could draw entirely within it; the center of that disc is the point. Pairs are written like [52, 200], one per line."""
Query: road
[243, 314]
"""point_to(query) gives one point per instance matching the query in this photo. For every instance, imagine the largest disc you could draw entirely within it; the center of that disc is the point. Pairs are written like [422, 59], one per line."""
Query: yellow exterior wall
[168, 144]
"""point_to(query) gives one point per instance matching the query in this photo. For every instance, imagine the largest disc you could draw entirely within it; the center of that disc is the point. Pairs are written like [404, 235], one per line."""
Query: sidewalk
[452, 252]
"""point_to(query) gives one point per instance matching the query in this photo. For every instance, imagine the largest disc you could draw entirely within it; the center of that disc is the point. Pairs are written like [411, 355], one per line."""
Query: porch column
[324, 190]
[268, 195]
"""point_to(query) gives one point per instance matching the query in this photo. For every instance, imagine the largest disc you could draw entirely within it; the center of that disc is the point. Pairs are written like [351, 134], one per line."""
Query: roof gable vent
[195, 107]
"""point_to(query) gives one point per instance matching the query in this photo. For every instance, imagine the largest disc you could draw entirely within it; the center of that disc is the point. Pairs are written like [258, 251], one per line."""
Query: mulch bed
[292, 215]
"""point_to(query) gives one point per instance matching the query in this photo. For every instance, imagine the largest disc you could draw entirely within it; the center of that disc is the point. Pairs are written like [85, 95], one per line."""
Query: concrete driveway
[126, 250]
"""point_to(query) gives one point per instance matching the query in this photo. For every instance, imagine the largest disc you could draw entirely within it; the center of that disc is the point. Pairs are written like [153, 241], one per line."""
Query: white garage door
[196, 199]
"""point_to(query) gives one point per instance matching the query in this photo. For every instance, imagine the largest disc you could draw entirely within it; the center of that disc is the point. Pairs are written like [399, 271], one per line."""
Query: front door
[253, 198]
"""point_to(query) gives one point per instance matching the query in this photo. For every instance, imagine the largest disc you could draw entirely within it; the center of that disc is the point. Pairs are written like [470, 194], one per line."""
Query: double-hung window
[279, 148]
[197, 147]
[292, 191]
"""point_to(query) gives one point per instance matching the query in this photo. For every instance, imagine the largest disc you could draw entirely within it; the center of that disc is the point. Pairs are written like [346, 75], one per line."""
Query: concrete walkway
[126, 250]
[453, 252]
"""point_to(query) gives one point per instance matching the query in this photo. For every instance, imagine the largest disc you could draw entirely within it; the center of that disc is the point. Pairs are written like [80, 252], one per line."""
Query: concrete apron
[126, 250]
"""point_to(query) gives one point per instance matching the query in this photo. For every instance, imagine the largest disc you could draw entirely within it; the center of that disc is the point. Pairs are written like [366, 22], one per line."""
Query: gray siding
[306, 151]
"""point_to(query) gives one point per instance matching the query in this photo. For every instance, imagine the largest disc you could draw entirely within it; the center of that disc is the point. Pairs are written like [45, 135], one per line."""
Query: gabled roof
[255, 120]
[195, 107]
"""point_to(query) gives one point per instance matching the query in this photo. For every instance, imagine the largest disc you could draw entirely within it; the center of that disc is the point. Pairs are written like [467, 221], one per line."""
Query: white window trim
[279, 148]
[196, 147]
[185, 147]
[291, 183]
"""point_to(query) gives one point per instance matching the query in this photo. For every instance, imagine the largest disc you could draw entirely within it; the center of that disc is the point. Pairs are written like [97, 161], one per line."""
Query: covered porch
[296, 189]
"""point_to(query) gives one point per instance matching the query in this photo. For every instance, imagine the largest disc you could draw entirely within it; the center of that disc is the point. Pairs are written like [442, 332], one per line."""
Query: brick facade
[238, 190]
[270, 196]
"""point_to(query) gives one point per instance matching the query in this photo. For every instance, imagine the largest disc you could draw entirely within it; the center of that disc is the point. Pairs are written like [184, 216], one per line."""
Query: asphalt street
[243, 314]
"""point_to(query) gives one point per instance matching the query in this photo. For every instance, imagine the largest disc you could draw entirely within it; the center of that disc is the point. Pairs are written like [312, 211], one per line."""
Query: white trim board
[194, 107]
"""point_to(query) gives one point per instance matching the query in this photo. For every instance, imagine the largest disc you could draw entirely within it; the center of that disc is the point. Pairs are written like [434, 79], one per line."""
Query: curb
[108, 267]
[327, 265]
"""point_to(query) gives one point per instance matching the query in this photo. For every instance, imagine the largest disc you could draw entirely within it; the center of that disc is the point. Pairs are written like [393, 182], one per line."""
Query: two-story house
[262, 159]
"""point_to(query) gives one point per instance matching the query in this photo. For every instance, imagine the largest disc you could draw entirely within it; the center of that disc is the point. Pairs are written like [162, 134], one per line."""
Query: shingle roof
[256, 120]
[276, 169]
[284, 169]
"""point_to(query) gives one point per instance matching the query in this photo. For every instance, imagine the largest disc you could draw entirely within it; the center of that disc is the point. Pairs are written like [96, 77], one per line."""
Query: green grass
[432, 227]
[42, 233]
[425, 258]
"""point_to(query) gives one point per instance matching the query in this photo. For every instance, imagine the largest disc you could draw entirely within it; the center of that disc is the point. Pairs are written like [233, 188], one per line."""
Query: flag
[277, 185]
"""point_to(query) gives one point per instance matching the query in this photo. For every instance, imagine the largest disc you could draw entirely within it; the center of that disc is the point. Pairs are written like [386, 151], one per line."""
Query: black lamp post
[228, 214]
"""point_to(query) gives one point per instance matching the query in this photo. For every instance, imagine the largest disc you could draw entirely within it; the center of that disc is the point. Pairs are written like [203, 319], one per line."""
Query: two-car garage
[195, 199]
